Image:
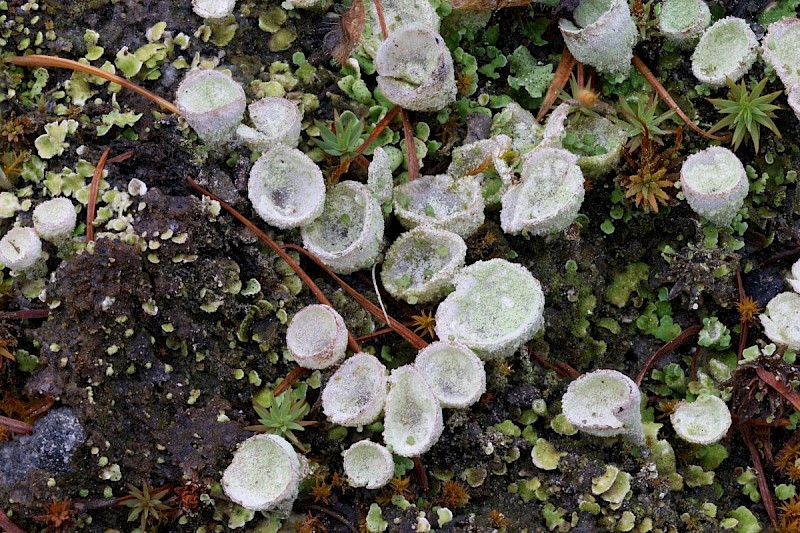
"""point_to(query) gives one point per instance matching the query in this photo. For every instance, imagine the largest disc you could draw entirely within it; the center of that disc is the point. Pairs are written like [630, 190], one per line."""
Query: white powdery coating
[348, 236]
[467, 160]
[397, 14]
[682, 21]
[317, 337]
[276, 120]
[20, 249]
[549, 195]
[442, 202]
[415, 69]
[286, 188]
[413, 420]
[604, 403]
[379, 177]
[704, 421]
[715, 184]
[497, 306]
[55, 220]
[264, 474]
[421, 263]
[213, 9]
[782, 326]
[794, 277]
[780, 48]
[794, 100]
[607, 134]
[212, 103]
[727, 49]
[368, 464]
[602, 36]
[355, 393]
[454, 373]
[519, 124]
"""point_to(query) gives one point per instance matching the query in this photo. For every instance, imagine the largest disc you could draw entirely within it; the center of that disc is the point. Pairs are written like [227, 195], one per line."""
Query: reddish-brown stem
[420, 474]
[379, 127]
[561, 368]
[763, 484]
[757, 422]
[381, 18]
[558, 82]
[779, 257]
[7, 525]
[91, 208]
[415, 340]
[124, 156]
[664, 94]
[351, 340]
[333, 514]
[16, 426]
[786, 391]
[296, 374]
[374, 334]
[668, 348]
[411, 149]
[361, 161]
[24, 314]
[60, 62]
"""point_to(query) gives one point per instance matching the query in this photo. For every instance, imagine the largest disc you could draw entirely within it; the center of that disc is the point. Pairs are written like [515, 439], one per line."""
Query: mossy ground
[165, 395]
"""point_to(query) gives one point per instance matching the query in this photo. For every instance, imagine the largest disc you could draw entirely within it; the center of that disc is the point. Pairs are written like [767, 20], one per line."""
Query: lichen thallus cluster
[760, 388]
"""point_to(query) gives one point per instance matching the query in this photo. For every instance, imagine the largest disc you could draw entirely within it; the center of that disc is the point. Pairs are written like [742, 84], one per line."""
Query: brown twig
[420, 474]
[379, 127]
[792, 252]
[415, 340]
[763, 484]
[7, 525]
[91, 208]
[411, 149]
[559, 367]
[16, 426]
[351, 340]
[695, 357]
[789, 394]
[24, 314]
[381, 18]
[124, 156]
[558, 82]
[60, 62]
[333, 514]
[668, 348]
[296, 374]
[664, 94]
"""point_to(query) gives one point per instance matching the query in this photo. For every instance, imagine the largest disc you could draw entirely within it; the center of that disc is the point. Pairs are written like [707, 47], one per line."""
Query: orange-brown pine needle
[558, 82]
[92, 207]
[60, 62]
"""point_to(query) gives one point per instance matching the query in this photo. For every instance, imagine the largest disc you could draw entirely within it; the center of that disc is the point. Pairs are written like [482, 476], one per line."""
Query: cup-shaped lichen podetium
[264, 475]
[413, 420]
[276, 120]
[454, 373]
[549, 195]
[703, 421]
[781, 49]
[286, 188]
[442, 202]
[212, 103]
[355, 393]
[420, 265]
[683, 21]
[781, 320]
[715, 184]
[604, 403]
[497, 306]
[348, 236]
[317, 336]
[602, 35]
[727, 49]
[213, 9]
[415, 69]
[368, 464]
